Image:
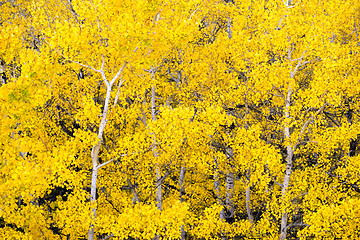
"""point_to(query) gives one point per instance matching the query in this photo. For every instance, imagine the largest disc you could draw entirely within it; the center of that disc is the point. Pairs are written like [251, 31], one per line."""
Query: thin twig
[111, 160]
[107, 237]
[307, 123]
[118, 74]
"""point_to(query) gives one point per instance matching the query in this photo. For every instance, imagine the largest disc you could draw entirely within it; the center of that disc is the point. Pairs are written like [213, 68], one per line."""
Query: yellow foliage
[238, 118]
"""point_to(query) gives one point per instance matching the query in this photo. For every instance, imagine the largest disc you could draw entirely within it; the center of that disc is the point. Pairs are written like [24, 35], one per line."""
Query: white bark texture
[217, 192]
[132, 186]
[158, 172]
[95, 161]
[230, 183]
[289, 148]
[96, 149]
[159, 180]
[289, 162]
[182, 192]
[217, 188]
[248, 198]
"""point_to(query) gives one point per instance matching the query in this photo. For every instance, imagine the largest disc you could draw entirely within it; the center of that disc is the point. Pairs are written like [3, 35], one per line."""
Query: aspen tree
[256, 123]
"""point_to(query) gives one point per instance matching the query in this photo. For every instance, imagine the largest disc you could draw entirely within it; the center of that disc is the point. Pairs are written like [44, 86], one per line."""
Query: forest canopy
[187, 119]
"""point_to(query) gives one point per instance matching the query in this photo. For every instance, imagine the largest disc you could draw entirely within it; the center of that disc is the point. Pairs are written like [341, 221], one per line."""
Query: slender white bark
[181, 183]
[93, 198]
[153, 117]
[96, 149]
[290, 149]
[248, 175]
[217, 188]
[228, 29]
[182, 192]
[248, 198]
[95, 161]
[248, 208]
[218, 193]
[136, 196]
[289, 162]
[230, 183]
[158, 189]
[158, 172]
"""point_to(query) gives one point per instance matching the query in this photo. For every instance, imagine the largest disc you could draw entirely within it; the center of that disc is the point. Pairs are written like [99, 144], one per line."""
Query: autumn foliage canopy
[186, 119]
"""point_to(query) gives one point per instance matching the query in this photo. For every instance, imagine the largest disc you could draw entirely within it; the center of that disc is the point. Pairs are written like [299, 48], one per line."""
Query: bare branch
[229, 26]
[307, 123]
[111, 160]
[118, 74]
[81, 64]
[132, 187]
[280, 93]
[356, 32]
[84, 65]
[297, 225]
[172, 77]
[193, 13]
[118, 90]
[108, 86]
[107, 237]
[102, 64]
[306, 62]
[292, 74]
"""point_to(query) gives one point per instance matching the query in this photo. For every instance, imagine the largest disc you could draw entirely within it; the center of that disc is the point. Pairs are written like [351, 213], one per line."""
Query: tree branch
[118, 74]
[307, 123]
[107, 237]
[292, 73]
[111, 160]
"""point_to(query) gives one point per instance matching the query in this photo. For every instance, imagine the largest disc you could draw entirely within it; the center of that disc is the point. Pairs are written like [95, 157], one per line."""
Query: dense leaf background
[194, 119]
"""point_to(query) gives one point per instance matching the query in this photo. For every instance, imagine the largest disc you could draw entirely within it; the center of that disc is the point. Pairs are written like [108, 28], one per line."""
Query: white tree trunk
[289, 149]
[218, 192]
[96, 149]
[228, 29]
[248, 208]
[182, 192]
[135, 194]
[158, 172]
[217, 188]
[289, 162]
[95, 162]
[248, 198]
[158, 189]
[230, 183]
[92, 199]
